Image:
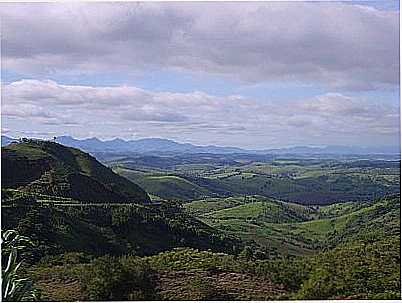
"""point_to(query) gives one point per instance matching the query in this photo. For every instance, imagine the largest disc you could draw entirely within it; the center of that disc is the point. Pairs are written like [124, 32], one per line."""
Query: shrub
[66, 259]
[113, 278]
[369, 270]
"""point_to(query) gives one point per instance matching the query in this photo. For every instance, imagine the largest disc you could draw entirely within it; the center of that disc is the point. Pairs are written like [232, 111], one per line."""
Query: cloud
[337, 45]
[48, 106]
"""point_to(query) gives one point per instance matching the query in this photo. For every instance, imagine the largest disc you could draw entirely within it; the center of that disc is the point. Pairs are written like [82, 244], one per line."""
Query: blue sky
[254, 75]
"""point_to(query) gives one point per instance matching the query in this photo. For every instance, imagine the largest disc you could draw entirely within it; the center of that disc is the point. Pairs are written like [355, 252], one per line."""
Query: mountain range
[158, 145]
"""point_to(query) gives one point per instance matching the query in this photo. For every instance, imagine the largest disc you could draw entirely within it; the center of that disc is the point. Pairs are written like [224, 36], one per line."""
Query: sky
[247, 74]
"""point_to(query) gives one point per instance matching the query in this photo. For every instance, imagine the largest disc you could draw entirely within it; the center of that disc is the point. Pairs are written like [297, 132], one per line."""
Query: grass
[167, 187]
[287, 251]
[248, 211]
[199, 207]
[308, 182]
[273, 225]
[53, 169]
[267, 210]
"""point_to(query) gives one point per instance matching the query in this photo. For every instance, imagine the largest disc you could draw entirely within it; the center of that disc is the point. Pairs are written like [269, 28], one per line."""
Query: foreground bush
[118, 279]
[361, 270]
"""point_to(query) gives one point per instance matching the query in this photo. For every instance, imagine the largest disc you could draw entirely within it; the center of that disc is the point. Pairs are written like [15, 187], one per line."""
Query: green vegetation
[15, 287]
[305, 181]
[112, 278]
[50, 168]
[169, 187]
[96, 237]
[199, 207]
[295, 229]
[358, 270]
[112, 228]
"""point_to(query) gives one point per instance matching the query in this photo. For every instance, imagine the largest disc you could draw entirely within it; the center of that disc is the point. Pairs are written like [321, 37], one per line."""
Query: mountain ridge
[160, 145]
[53, 169]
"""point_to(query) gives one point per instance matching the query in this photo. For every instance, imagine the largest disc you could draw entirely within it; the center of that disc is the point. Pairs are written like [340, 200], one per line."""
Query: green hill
[167, 187]
[266, 210]
[241, 247]
[53, 169]
[63, 225]
[200, 207]
[296, 230]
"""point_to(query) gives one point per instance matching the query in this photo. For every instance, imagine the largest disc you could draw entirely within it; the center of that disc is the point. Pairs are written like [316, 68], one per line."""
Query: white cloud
[121, 111]
[337, 45]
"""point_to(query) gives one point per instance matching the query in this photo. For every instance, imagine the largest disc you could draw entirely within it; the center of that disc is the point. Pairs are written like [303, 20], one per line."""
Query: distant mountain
[338, 150]
[161, 146]
[49, 168]
[157, 145]
[6, 140]
[147, 145]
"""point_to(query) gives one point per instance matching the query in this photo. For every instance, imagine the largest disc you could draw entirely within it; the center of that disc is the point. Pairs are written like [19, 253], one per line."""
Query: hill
[164, 145]
[242, 246]
[303, 181]
[167, 187]
[50, 168]
[298, 230]
[60, 225]
[6, 140]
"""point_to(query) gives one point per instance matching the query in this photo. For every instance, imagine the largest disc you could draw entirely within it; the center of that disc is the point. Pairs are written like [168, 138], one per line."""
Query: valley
[304, 181]
[203, 226]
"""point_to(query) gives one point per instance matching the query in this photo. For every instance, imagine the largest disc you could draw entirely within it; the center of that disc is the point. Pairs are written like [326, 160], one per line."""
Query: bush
[369, 270]
[66, 259]
[288, 271]
[113, 278]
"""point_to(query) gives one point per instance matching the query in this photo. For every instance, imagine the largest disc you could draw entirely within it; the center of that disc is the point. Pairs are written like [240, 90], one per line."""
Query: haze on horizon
[247, 74]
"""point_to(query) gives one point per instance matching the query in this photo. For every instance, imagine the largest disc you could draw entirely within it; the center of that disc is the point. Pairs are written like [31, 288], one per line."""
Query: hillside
[168, 187]
[302, 181]
[50, 168]
[298, 230]
[240, 246]
[58, 225]
[358, 270]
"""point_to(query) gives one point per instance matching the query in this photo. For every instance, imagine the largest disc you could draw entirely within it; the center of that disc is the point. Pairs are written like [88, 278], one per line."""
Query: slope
[167, 187]
[50, 168]
[112, 228]
[275, 226]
